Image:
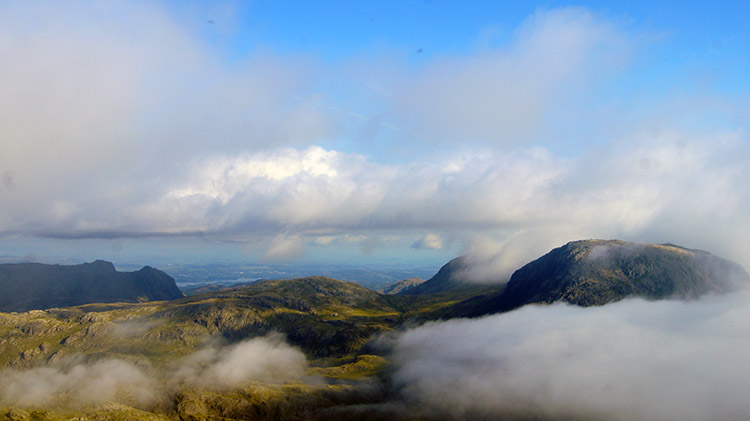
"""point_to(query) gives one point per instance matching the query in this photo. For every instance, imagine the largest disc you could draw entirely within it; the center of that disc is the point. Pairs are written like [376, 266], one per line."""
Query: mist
[629, 360]
[81, 384]
[73, 383]
[269, 359]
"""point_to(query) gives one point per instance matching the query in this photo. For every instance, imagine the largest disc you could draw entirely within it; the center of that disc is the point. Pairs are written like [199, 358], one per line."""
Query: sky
[370, 132]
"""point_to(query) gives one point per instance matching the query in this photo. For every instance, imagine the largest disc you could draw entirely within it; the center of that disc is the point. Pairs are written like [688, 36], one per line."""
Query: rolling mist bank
[635, 359]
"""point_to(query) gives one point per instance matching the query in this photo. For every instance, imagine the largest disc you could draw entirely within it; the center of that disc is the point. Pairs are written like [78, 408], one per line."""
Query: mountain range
[341, 327]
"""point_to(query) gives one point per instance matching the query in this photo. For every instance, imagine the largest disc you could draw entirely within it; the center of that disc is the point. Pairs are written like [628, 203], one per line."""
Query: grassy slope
[331, 321]
[325, 317]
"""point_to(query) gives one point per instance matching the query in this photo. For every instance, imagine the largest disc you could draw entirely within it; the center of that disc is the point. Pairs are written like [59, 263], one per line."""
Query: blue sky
[364, 133]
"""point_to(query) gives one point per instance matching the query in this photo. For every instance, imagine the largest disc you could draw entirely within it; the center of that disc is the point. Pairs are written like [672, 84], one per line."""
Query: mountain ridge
[341, 327]
[37, 286]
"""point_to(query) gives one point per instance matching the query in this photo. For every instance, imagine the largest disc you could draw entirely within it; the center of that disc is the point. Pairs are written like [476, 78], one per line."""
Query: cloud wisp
[268, 359]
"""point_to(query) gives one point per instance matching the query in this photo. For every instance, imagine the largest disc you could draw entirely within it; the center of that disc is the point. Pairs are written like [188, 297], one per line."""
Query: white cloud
[508, 207]
[100, 381]
[267, 359]
[149, 131]
[103, 104]
[629, 360]
[430, 241]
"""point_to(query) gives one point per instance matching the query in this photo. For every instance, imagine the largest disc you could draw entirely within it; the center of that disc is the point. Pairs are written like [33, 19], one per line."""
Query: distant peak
[103, 265]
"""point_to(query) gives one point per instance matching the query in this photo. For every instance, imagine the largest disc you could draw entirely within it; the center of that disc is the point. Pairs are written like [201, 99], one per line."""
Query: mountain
[448, 278]
[402, 285]
[596, 272]
[33, 286]
[338, 325]
[342, 328]
[325, 317]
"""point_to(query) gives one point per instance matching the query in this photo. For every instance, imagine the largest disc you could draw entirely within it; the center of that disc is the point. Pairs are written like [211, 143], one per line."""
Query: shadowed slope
[32, 286]
[447, 279]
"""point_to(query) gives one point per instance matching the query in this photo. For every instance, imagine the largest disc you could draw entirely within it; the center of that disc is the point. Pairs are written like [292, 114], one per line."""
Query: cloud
[100, 381]
[117, 98]
[628, 360]
[608, 194]
[267, 359]
[152, 132]
[507, 207]
[430, 241]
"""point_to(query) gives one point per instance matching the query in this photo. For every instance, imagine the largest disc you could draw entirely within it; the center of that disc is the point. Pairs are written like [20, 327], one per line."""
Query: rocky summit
[596, 272]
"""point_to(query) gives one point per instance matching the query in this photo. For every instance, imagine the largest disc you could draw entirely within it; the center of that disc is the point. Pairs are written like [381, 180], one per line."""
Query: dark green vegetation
[338, 326]
[31, 286]
[596, 272]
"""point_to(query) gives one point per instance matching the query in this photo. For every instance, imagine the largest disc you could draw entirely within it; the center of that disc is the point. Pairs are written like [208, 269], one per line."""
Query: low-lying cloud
[267, 359]
[628, 360]
[100, 381]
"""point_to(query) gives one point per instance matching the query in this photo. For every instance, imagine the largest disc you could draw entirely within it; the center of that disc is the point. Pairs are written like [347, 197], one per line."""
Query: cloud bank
[628, 360]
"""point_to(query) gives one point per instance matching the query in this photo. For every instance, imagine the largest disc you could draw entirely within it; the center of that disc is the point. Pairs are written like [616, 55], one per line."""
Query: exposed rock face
[30, 286]
[596, 272]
